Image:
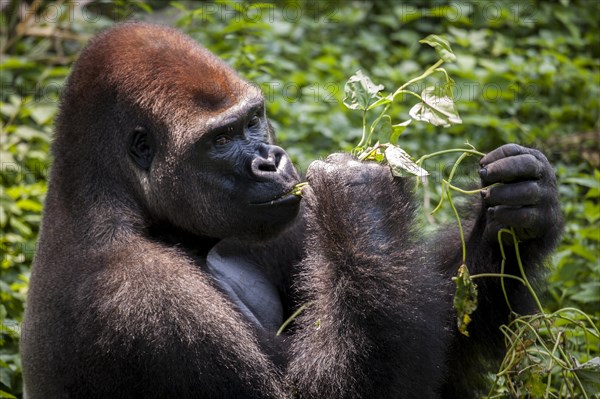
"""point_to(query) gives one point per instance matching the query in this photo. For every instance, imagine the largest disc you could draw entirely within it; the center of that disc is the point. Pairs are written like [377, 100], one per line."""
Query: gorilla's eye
[222, 140]
[254, 121]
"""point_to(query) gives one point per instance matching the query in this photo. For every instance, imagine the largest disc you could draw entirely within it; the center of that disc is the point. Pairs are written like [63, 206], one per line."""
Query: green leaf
[583, 252]
[592, 233]
[6, 395]
[4, 374]
[583, 181]
[401, 163]
[436, 108]
[145, 7]
[17, 63]
[385, 128]
[28, 133]
[397, 131]
[3, 217]
[381, 101]
[42, 113]
[589, 374]
[29, 205]
[591, 211]
[22, 228]
[588, 292]
[361, 91]
[465, 299]
[441, 46]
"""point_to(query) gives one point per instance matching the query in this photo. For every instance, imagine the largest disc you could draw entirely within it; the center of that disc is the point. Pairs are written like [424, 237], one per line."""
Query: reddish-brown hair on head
[156, 68]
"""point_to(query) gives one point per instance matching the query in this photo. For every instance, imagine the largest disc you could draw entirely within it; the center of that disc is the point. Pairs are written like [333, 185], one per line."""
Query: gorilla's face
[224, 178]
[250, 177]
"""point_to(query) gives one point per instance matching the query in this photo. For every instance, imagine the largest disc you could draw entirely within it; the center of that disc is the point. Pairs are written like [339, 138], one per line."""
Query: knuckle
[538, 154]
[527, 164]
[511, 149]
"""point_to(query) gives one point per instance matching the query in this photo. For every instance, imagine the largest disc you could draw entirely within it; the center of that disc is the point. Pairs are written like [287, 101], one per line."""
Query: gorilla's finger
[510, 169]
[507, 150]
[511, 150]
[516, 194]
[521, 217]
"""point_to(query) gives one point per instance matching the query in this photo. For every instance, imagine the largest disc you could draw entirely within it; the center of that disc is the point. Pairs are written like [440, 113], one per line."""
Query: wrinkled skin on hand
[344, 170]
[524, 194]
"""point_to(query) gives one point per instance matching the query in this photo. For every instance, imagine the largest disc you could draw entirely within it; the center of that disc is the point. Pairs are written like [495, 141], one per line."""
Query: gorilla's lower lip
[288, 199]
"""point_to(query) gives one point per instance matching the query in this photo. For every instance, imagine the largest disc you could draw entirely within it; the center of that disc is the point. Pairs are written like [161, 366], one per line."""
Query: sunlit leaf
[361, 91]
[43, 113]
[401, 163]
[6, 395]
[435, 109]
[29, 205]
[441, 46]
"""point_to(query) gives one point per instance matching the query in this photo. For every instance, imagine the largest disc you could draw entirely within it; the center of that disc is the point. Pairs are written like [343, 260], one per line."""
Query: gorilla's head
[175, 133]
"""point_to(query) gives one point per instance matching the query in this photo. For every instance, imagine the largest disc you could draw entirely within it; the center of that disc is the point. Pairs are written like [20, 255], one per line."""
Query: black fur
[162, 153]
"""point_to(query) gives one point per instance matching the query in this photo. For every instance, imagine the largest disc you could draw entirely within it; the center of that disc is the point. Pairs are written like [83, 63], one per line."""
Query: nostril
[272, 163]
[267, 166]
[263, 167]
[277, 154]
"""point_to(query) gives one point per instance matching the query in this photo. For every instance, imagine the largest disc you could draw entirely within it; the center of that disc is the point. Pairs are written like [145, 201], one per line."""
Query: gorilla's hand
[342, 188]
[526, 198]
[343, 176]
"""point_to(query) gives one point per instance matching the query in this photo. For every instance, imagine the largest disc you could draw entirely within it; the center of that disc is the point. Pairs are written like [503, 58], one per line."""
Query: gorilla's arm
[525, 197]
[375, 314]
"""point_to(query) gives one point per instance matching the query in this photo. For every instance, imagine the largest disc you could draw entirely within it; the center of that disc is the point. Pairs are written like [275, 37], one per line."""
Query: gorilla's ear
[141, 147]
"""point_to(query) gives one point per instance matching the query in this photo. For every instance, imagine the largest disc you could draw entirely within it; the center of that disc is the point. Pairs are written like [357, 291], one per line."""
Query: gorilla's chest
[247, 286]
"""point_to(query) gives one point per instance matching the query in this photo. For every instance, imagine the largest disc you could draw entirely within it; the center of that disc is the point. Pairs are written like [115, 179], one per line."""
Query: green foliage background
[527, 72]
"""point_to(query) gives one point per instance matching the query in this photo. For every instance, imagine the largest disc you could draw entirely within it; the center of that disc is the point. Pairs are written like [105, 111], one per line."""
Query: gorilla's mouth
[286, 199]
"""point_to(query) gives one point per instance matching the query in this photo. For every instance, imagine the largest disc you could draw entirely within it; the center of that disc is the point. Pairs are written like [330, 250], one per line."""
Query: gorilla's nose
[273, 163]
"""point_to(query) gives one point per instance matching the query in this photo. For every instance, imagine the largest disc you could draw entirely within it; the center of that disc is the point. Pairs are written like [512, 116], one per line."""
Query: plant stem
[463, 242]
[434, 154]
[428, 72]
[364, 130]
[522, 270]
[501, 275]
[292, 317]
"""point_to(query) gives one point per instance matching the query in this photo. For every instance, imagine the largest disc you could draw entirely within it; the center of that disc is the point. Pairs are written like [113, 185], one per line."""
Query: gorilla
[171, 249]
